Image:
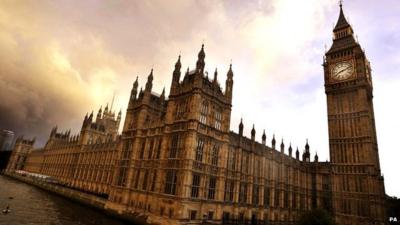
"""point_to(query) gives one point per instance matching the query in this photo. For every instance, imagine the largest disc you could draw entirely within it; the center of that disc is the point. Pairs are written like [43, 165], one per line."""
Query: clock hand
[341, 71]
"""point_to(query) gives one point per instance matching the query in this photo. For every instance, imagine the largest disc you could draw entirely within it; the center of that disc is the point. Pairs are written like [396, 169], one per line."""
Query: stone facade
[178, 161]
[20, 153]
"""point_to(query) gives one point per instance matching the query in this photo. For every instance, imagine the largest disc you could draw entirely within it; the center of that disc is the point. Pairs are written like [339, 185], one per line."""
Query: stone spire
[162, 96]
[99, 113]
[229, 83]
[149, 83]
[200, 60]
[273, 142]
[253, 133]
[134, 88]
[177, 71]
[282, 146]
[215, 76]
[241, 127]
[264, 138]
[342, 22]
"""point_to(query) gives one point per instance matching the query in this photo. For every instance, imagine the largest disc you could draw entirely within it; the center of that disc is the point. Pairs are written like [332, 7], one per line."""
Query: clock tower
[358, 188]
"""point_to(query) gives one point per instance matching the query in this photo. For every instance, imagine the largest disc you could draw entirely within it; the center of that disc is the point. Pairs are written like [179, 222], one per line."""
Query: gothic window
[276, 200]
[286, 199]
[199, 150]
[145, 178]
[255, 194]
[218, 119]
[151, 149]
[158, 149]
[231, 159]
[137, 176]
[294, 201]
[243, 193]
[122, 172]
[192, 214]
[245, 163]
[266, 196]
[204, 113]
[173, 153]
[153, 182]
[141, 155]
[195, 185]
[214, 155]
[170, 184]
[229, 187]
[211, 187]
[181, 109]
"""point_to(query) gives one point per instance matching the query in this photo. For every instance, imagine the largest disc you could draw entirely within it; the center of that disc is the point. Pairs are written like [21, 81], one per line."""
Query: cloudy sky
[61, 59]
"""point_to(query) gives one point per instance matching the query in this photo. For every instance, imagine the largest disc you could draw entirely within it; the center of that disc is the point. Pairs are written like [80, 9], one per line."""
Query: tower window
[218, 119]
[266, 197]
[214, 155]
[211, 187]
[195, 185]
[243, 193]
[199, 150]
[204, 113]
[231, 159]
[255, 194]
[229, 187]
[145, 177]
[170, 184]
[175, 145]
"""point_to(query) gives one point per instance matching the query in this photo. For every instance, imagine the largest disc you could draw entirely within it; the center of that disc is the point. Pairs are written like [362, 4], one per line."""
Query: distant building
[6, 140]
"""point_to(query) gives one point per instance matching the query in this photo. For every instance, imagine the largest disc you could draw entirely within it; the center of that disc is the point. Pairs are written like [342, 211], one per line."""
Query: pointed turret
[229, 83]
[176, 75]
[241, 127]
[290, 149]
[106, 109]
[162, 96]
[273, 142]
[306, 153]
[91, 117]
[282, 146]
[187, 73]
[99, 113]
[264, 138]
[85, 121]
[215, 76]
[253, 133]
[297, 153]
[316, 157]
[134, 88]
[307, 146]
[149, 83]
[200, 60]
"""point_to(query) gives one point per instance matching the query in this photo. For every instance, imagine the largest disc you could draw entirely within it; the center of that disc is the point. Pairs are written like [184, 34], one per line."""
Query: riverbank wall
[77, 196]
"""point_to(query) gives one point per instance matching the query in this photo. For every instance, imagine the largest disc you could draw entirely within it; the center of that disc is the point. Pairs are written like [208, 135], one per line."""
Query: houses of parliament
[177, 160]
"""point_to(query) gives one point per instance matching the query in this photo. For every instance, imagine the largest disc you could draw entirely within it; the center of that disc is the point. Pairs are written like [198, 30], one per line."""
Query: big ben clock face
[342, 70]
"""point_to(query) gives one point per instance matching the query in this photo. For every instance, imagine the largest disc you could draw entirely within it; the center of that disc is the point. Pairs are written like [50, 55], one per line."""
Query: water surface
[33, 206]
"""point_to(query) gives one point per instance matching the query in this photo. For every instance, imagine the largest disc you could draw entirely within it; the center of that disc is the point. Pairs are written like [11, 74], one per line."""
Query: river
[33, 206]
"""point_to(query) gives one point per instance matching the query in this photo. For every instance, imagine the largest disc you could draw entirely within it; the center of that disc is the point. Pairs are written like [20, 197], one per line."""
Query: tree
[316, 217]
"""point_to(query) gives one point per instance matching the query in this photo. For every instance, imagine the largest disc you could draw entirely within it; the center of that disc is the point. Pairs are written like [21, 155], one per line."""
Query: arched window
[204, 112]
[199, 150]
[218, 119]
[214, 155]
